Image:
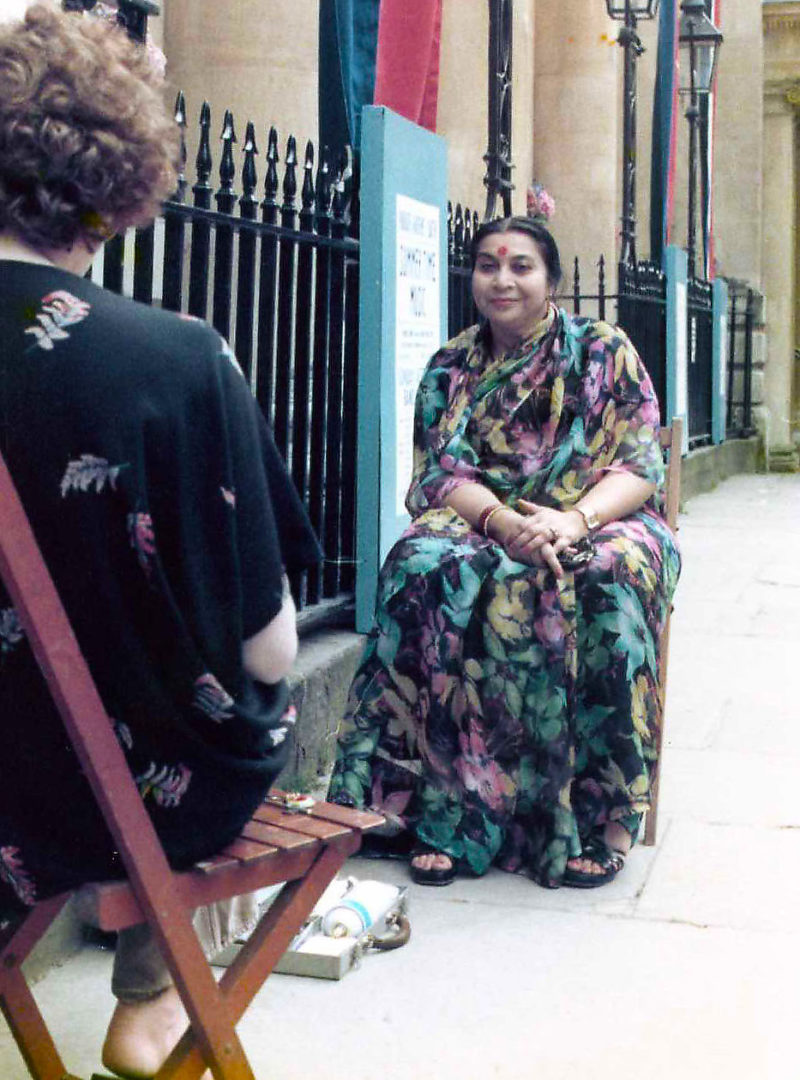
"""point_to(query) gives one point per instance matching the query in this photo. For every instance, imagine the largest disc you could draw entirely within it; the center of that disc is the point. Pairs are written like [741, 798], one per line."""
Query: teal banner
[348, 44]
[663, 145]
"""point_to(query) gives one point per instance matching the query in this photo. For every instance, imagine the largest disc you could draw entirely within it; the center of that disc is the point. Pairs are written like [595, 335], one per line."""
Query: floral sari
[498, 713]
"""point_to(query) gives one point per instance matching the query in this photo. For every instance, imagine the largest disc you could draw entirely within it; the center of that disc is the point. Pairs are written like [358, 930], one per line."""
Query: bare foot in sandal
[431, 867]
[602, 859]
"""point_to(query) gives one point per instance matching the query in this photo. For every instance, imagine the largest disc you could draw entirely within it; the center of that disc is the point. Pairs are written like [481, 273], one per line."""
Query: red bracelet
[486, 513]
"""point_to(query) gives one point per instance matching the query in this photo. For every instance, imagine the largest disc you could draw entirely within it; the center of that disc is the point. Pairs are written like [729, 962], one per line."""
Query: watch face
[591, 519]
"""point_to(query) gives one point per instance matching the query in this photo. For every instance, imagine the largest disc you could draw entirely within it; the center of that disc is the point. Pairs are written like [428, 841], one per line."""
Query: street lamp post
[699, 39]
[629, 12]
[498, 152]
[131, 14]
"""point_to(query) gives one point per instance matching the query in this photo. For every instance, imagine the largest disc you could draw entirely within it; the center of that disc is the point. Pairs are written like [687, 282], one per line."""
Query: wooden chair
[304, 851]
[671, 439]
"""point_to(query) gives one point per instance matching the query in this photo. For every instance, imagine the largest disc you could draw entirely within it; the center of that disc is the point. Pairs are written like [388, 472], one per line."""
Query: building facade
[260, 60]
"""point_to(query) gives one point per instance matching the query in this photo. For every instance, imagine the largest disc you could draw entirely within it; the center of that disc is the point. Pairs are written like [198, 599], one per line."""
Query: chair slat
[363, 820]
[283, 839]
[244, 850]
[300, 822]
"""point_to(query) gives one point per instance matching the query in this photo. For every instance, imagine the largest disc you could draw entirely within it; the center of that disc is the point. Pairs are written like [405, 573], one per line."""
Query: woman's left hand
[546, 525]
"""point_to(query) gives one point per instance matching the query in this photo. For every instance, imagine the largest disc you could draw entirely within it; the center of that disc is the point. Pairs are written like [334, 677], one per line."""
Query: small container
[359, 909]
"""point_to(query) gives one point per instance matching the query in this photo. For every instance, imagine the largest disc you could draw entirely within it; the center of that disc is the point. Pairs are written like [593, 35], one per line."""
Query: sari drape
[499, 713]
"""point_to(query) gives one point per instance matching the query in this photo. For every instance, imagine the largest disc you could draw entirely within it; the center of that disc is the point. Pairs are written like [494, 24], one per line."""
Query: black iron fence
[593, 304]
[642, 313]
[700, 362]
[462, 225]
[741, 323]
[276, 273]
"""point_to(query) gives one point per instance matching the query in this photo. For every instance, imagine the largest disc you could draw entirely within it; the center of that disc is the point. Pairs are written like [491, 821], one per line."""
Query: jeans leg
[139, 972]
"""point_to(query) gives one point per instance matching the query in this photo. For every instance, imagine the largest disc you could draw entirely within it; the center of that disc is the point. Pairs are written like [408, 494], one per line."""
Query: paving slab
[737, 787]
[736, 876]
[509, 991]
[714, 677]
[766, 728]
[683, 968]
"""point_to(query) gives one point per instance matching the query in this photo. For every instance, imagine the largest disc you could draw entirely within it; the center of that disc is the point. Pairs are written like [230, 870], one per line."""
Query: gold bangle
[490, 515]
[483, 515]
[590, 518]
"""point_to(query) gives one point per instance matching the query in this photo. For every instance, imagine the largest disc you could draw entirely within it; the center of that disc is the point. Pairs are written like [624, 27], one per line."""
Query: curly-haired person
[159, 500]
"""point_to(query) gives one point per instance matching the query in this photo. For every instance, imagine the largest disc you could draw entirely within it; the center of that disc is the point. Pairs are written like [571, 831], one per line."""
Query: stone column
[463, 98]
[462, 115]
[738, 144]
[778, 268]
[577, 129]
[261, 64]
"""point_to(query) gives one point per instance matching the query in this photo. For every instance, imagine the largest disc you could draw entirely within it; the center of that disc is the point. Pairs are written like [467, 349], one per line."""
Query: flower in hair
[540, 204]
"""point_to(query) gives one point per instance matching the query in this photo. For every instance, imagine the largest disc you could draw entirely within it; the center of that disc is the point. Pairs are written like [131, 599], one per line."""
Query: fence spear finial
[249, 174]
[227, 167]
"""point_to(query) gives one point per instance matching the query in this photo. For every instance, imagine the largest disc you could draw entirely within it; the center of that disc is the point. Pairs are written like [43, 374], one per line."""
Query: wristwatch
[590, 517]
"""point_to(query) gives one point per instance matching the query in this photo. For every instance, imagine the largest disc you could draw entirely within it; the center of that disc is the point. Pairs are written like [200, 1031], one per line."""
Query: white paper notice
[417, 334]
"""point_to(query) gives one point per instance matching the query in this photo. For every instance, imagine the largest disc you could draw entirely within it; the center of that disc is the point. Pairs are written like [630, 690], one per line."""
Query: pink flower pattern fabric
[59, 309]
[13, 873]
[168, 521]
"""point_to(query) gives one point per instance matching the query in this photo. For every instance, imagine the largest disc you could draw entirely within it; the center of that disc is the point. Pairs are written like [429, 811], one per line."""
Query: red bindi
[502, 250]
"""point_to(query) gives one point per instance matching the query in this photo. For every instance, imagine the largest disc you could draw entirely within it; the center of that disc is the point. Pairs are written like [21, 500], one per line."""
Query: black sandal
[434, 875]
[399, 846]
[595, 850]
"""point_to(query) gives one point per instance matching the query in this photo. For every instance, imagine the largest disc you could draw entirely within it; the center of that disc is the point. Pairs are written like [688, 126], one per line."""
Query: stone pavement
[686, 966]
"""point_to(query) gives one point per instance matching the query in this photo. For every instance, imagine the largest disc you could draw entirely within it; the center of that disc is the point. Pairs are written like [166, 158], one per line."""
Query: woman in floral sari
[506, 706]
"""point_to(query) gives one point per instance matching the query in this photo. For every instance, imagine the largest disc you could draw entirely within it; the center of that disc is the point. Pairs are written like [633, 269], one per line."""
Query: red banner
[407, 65]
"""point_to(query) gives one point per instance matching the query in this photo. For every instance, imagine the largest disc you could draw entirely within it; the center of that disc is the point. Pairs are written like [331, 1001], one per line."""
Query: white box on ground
[317, 954]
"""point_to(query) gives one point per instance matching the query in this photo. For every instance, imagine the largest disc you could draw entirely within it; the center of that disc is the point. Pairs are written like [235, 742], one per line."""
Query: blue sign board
[402, 321]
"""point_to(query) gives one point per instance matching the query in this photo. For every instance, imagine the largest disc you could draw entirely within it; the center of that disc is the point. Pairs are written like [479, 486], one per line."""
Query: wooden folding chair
[671, 439]
[304, 851]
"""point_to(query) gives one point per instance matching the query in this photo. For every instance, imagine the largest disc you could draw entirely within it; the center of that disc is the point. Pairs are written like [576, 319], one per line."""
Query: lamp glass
[700, 40]
[705, 66]
[642, 9]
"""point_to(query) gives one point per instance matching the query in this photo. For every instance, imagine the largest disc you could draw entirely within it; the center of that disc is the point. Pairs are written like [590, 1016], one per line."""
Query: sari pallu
[498, 713]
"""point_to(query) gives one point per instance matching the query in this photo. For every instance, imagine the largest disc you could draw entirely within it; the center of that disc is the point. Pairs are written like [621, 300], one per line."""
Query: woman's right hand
[524, 541]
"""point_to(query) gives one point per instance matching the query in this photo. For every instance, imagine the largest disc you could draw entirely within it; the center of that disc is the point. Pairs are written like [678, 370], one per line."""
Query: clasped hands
[537, 535]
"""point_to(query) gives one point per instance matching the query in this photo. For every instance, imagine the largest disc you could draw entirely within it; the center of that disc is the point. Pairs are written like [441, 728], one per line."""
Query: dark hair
[87, 145]
[538, 233]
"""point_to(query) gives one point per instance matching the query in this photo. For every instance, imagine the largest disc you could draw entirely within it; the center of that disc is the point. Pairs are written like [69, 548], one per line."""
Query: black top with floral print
[167, 519]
